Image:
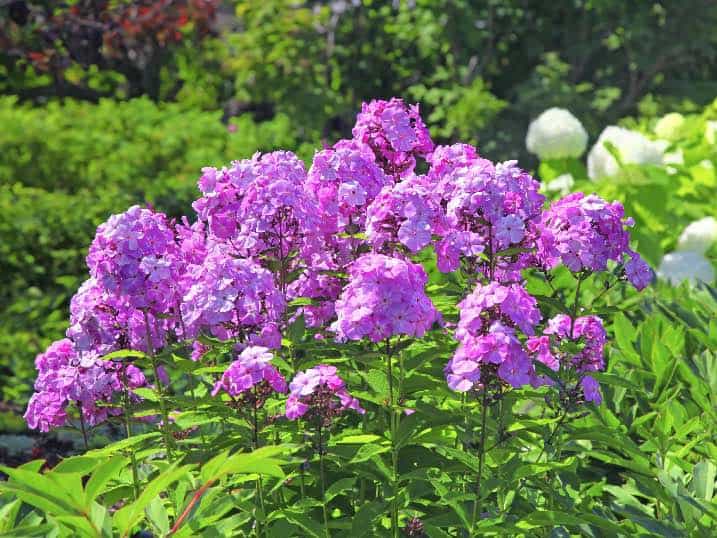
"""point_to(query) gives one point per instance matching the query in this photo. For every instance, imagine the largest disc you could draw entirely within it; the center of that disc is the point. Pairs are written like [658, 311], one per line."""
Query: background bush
[65, 168]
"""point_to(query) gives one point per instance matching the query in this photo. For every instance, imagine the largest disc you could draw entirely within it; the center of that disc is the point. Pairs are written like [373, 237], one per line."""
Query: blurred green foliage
[465, 60]
[65, 168]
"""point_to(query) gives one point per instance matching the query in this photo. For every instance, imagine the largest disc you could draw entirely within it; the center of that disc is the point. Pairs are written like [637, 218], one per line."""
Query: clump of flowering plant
[438, 282]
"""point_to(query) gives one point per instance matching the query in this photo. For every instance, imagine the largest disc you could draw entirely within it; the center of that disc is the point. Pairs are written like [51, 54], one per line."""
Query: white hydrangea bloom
[556, 134]
[677, 267]
[699, 236]
[673, 157]
[634, 148]
[561, 184]
[711, 131]
[669, 125]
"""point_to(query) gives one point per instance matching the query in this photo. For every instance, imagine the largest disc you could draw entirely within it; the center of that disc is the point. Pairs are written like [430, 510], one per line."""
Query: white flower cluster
[560, 185]
[688, 262]
[556, 134]
[710, 131]
[699, 236]
[679, 266]
[669, 126]
[633, 147]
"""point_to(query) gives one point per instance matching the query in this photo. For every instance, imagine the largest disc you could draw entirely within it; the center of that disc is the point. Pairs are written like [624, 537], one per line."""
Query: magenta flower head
[276, 217]
[344, 180]
[323, 289]
[133, 256]
[488, 343]
[576, 346]
[101, 322]
[445, 160]
[66, 377]
[585, 232]
[232, 298]
[404, 214]
[222, 193]
[395, 133]
[489, 208]
[252, 377]
[510, 304]
[321, 394]
[384, 297]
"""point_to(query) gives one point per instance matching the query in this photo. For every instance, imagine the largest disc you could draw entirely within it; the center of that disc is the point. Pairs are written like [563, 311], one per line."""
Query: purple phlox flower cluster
[199, 350]
[448, 163]
[445, 159]
[232, 298]
[258, 206]
[192, 241]
[638, 272]
[66, 376]
[585, 232]
[384, 297]
[276, 216]
[320, 392]
[406, 214]
[589, 333]
[101, 322]
[344, 180]
[488, 207]
[395, 133]
[251, 377]
[133, 256]
[497, 351]
[222, 192]
[509, 304]
[323, 289]
[488, 340]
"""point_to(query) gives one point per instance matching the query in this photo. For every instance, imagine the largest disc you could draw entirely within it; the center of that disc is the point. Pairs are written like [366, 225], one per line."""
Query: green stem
[322, 475]
[481, 460]
[82, 426]
[394, 451]
[259, 485]
[159, 389]
[576, 304]
[128, 429]
[551, 436]
[192, 383]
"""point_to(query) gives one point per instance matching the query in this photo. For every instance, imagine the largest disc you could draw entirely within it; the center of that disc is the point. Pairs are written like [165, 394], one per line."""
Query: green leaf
[260, 461]
[358, 439]
[124, 354]
[554, 518]
[366, 452]
[703, 480]
[28, 531]
[38, 490]
[101, 476]
[146, 394]
[8, 514]
[128, 516]
[306, 523]
[157, 515]
[378, 382]
[339, 487]
[76, 464]
[362, 523]
[124, 444]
